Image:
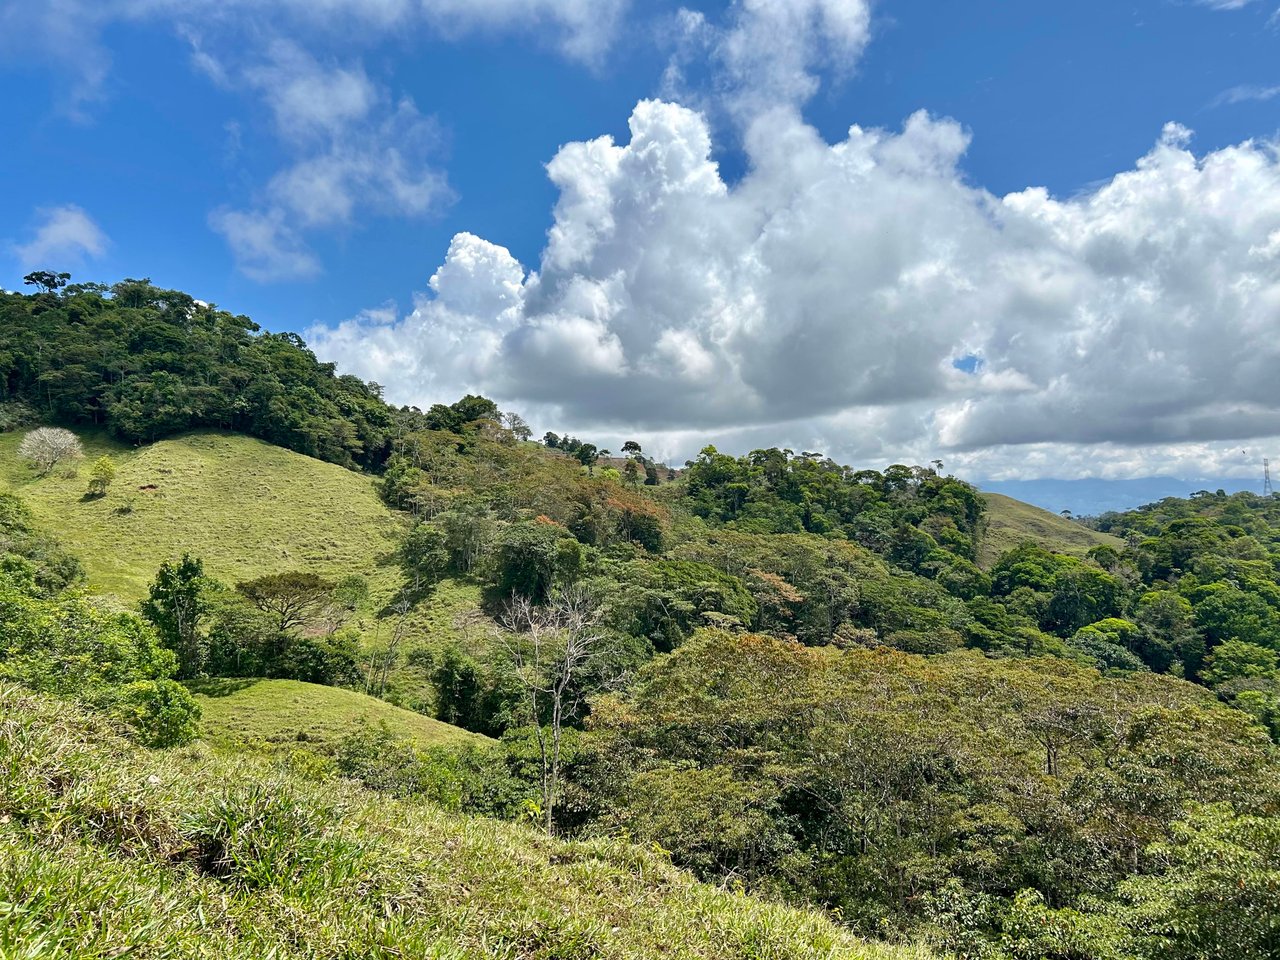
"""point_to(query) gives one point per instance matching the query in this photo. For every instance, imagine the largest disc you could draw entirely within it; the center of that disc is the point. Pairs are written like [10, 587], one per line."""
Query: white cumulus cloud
[830, 299]
[766, 53]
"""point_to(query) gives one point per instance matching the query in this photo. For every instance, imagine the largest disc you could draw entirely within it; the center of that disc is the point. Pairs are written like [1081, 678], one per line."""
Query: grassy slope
[245, 507]
[107, 850]
[1010, 522]
[283, 711]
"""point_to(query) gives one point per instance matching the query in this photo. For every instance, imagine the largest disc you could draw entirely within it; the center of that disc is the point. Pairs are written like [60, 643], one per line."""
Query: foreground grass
[1010, 522]
[245, 507]
[107, 850]
[278, 712]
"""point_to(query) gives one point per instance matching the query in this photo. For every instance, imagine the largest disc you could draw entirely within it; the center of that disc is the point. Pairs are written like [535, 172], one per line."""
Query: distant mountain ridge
[1093, 495]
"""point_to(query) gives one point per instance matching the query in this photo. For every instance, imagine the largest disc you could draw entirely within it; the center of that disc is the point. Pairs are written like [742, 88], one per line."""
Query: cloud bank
[864, 299]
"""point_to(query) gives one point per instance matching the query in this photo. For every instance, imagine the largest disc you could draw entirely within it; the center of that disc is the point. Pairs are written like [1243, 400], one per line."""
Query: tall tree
[175, 605]
[550, 647]
[46, 280]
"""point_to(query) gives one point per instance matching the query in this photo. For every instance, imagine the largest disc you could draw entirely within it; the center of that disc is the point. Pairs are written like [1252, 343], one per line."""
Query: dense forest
[147, 363]
[790, 676]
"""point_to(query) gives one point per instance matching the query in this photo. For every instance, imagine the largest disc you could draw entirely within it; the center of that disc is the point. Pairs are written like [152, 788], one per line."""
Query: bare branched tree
[551, 647]
[382, 660]
[47, 447]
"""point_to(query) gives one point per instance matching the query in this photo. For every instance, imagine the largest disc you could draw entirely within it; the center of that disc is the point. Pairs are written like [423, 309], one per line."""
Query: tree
[46, 280]
[175, 606]
[1169, 634]
[524, 562]
[587, 455]
[650, 475]
[101, 475]
[1218, 894]
[631, 470]
[294, 598]
[145, 363]
[473, 407]
[1239, 660]
[518, 426]
[424, 556]
[631, 448]
[46, 447]
[550, 647]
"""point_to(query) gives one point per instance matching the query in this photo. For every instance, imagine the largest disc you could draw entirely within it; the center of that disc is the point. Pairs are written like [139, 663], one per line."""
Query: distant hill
[1009, 522]
[289, 711]
[112, 850]
[1092, 496]
[245, 507]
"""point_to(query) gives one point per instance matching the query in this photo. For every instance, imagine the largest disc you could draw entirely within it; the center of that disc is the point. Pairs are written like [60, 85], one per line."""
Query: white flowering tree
[46, 447]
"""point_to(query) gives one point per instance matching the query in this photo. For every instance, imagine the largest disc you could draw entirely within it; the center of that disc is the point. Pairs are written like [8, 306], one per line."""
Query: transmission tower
[1266, 479]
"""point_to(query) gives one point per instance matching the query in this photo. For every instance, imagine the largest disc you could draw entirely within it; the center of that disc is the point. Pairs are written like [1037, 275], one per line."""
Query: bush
[472, 779]
[48, 567]
[162, 712]
[330, 660]
[72, 647]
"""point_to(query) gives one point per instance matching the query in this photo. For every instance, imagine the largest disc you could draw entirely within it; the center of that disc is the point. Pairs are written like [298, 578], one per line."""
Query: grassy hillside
[246, 507]
[1009, 522]
[108, 850]
[289, 711]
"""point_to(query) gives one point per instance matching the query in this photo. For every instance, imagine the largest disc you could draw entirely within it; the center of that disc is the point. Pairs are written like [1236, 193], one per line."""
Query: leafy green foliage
[174, 607]
[162, 712]
[905, 512]
[148, 363]
[29, 554]
[790, 706]
[1215, 892]
[113, 661]
[664, 601]
[101, 474]
[879, 782]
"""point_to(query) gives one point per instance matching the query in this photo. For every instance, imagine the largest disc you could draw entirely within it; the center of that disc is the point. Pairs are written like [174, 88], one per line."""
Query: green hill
[289, 711]
[107, 850]
[1009, 522]
[244, 506]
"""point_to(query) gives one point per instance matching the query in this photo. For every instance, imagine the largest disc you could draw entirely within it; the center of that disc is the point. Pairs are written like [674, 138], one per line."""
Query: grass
[243, 506]
[108, 850]
[289, 711]
[246, 508]
[1011, 522]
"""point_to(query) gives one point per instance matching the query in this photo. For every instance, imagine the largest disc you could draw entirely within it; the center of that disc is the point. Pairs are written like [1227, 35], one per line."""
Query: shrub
[101, 475]
[162, 713]
[329, 660]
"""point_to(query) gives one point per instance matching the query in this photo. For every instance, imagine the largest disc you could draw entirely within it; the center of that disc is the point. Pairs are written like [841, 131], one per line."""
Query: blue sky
[149, 137]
